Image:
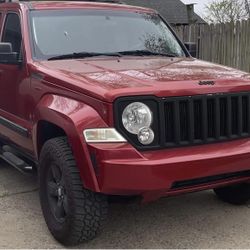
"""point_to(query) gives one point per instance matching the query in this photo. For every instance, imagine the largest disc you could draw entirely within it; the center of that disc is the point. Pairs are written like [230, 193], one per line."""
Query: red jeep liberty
[104, 100]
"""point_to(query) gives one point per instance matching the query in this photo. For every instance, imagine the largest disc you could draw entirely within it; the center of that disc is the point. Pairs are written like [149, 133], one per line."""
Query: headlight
[102, 135]
[136, 116]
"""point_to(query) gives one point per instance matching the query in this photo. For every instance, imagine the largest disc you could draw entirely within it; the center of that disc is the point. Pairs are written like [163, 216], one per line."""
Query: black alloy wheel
[57, 195]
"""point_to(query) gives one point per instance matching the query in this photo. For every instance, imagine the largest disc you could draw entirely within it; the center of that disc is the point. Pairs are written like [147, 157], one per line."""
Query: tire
[73, 214]
[237, 194]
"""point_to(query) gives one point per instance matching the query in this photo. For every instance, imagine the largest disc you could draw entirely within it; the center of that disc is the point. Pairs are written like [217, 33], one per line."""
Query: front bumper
[123, 170]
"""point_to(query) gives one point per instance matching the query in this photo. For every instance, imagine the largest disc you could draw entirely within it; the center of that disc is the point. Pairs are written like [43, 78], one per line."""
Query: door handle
[38, 88]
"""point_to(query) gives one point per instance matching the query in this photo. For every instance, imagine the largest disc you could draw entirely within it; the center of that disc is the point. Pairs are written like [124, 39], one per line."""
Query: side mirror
[7, 56]
[192, 48]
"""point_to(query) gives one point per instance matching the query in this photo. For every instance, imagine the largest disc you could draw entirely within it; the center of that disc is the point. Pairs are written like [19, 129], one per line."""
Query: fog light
[146, 136]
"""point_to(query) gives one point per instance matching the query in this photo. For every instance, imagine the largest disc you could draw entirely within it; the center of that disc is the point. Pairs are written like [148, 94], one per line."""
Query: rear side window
[0, 18]
[12, 32]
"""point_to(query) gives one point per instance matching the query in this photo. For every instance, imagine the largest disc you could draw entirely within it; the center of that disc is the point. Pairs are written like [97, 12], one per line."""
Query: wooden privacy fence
[227, 44]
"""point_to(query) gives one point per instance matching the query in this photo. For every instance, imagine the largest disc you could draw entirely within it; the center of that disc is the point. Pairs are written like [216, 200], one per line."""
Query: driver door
[15, 125]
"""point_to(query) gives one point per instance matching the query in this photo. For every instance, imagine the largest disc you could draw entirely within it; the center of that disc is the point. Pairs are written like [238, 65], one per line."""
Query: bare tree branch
[223, 11]
[247, 6]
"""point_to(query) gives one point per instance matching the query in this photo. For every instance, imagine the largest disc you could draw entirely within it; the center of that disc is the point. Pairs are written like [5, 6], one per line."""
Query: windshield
[61, 32]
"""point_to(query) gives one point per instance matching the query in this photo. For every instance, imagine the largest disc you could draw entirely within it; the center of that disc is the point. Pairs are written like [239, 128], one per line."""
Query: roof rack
[97, 1]
[9, 1]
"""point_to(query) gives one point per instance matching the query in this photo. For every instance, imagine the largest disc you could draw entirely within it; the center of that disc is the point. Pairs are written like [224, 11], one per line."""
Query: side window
[1, 19]
[12, 32]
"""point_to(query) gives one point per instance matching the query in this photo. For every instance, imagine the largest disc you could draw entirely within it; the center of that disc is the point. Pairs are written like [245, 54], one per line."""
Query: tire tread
[90, 209]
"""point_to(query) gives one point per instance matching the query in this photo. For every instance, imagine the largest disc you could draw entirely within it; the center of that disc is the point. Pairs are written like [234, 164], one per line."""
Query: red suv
[104, 100]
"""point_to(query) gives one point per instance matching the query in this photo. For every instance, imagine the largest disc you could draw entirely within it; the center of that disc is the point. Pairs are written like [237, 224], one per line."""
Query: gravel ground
[190, 221]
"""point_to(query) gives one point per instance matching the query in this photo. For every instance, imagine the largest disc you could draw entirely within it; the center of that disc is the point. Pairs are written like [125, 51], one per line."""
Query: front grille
[191, 120]
[207, 118]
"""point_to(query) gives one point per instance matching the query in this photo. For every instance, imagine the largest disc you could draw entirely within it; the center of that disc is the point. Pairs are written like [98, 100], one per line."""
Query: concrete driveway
[191, 221]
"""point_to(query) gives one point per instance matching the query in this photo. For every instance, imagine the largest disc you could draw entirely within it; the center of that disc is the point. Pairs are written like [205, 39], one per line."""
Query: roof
[174, 11]
[77, 4]
[84, 5]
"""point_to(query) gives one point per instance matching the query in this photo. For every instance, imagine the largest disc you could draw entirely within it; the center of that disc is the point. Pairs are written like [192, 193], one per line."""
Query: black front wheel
[236, 194]
[73, 214]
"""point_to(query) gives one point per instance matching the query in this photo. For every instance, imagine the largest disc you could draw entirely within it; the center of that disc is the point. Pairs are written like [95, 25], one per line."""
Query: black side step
[15, 161]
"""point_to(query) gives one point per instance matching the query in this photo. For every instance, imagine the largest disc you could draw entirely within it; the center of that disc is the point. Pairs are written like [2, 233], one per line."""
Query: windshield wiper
[119, 54]
[82, 55]
[144, 53]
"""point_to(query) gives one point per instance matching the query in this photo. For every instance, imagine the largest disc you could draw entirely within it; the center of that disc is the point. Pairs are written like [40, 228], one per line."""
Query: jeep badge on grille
[206, 83]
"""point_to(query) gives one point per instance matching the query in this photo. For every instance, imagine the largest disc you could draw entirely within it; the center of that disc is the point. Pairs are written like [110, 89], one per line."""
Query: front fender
[73, 117]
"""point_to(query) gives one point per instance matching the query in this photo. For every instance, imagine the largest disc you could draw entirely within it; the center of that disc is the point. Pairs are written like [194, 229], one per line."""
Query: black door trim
[13, 126]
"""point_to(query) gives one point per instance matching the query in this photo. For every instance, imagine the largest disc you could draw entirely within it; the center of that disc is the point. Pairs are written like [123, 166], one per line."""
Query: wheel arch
[62, 116]
[52, 131]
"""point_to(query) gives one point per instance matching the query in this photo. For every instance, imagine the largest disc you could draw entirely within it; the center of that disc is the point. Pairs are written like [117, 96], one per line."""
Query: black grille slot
[211, 118]
[184, 117]
[169, 122]
[223, 117]
[197, 119]
[245, 116]
[203, 119]
[234, 115]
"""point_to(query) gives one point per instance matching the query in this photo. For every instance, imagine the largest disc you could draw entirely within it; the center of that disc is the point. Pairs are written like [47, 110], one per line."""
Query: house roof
[174, 11]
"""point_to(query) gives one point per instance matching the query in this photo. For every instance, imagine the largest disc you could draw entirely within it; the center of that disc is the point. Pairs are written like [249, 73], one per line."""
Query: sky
[200, 4]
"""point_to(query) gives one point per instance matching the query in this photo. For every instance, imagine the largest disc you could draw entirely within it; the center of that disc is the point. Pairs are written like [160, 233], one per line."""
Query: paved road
[190, 221]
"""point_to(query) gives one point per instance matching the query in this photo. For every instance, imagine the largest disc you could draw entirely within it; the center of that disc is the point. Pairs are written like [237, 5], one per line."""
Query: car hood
[109, 78]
